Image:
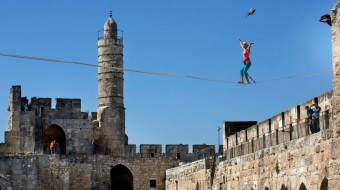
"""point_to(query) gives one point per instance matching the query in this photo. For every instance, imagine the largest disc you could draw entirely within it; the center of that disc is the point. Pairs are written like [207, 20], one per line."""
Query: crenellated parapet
[150, 150]
[32, 129]
[33, 124]
[176, 151]
[277, 153]
[281, 128]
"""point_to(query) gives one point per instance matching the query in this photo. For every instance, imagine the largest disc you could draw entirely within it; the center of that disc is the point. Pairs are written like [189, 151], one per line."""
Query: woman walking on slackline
[246, 61]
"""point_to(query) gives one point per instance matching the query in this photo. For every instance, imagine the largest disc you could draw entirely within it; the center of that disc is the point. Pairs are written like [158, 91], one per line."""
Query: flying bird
[250, 12]
[326, 19]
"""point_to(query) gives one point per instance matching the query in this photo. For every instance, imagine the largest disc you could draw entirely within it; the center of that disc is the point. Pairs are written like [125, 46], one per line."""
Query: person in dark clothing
[199, 154]
[95, 147]
[309, 118]
[315, 117]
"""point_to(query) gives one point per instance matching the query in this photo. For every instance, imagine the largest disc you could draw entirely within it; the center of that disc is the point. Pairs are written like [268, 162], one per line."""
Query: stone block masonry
[262, 156]
[280, 152]
[335, 15]
[64, 148]
[27, 163]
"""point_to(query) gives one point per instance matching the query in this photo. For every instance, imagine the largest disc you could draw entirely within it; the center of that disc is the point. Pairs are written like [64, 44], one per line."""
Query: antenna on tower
[111, 14]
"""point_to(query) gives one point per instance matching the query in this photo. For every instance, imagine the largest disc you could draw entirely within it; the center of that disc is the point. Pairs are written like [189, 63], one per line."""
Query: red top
[246, 56]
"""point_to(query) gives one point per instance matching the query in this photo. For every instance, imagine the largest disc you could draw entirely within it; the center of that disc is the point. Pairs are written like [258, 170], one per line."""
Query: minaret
[111, 111]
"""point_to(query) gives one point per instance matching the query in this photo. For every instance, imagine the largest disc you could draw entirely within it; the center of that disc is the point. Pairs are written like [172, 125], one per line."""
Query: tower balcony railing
[100, 35]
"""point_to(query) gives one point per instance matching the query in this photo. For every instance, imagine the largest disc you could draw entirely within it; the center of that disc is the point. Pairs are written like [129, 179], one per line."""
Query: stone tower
[336, 68]
[111, 111]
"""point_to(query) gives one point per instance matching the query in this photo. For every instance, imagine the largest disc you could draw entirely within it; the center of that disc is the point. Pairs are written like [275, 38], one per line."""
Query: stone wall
[79, 172]
[176, 151]
[307, 160]
[26, 161]
[277, 153]
[283, 127]
[194, 175]
[335, 15]
[27, 128]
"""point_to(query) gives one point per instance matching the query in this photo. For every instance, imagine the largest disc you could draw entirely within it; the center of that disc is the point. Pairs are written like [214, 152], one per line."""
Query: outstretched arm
[248, 48]
[241, 43]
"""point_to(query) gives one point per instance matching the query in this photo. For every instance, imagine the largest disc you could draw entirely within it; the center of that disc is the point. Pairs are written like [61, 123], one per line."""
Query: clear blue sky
[189, 37]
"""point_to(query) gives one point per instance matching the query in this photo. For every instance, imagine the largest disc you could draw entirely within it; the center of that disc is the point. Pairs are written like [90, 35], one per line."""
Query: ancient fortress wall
[286, 126]
[194, 175]
[279, 152]
[27, 128]
[26, 161]
[79, 172]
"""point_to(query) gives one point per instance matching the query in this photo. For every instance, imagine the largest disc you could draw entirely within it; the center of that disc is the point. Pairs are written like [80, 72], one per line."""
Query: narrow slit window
[153, 183]
[178, 156]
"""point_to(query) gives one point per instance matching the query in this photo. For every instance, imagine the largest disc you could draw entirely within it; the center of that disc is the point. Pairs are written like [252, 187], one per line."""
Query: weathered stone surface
[28, 159]
[285, 154]
[277, 153]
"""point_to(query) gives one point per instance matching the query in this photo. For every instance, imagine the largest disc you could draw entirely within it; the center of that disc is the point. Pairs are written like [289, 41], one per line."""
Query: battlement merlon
[15, 98]
[176, 150]
[41, 103]
[150, 150]
[16, 102]
[206, 149]
[68, 104]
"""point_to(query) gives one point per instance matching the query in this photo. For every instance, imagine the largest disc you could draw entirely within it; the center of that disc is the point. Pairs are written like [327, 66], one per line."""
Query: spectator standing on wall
[309, 118]
[26, 106]
[315, 117]
[56, 147]
[94, 147]
[199, 154]
[52, 145]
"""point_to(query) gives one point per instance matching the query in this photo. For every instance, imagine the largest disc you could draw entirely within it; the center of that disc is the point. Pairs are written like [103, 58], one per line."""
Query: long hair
[245, 45]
